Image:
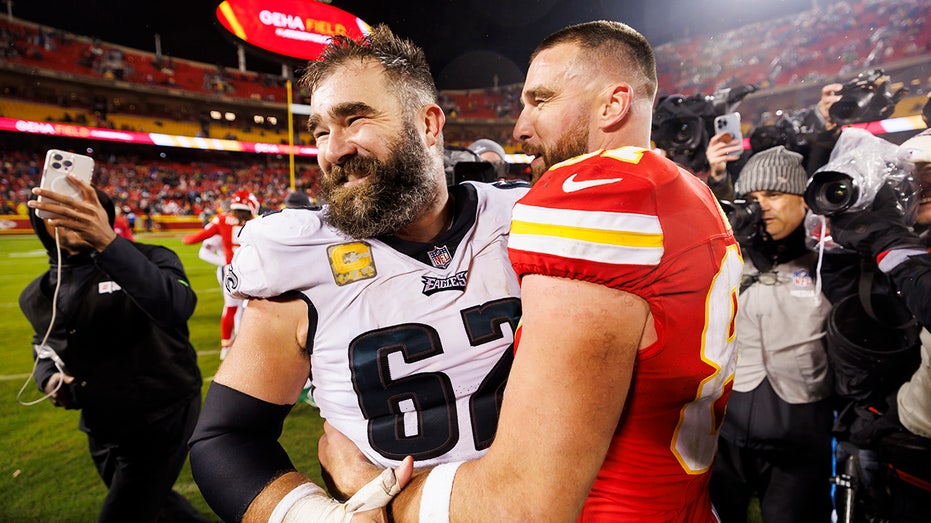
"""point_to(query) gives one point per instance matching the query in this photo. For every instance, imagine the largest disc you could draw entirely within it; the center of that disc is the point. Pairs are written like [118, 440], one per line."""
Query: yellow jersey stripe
[621, 238]
[601, 236]
[604, 220]
[577, 249]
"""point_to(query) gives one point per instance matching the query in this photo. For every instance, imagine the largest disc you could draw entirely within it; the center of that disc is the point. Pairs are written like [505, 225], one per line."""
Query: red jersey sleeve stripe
[607, 237]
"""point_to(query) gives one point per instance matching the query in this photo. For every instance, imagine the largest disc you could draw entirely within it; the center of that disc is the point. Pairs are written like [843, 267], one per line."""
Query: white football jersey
[410, 343]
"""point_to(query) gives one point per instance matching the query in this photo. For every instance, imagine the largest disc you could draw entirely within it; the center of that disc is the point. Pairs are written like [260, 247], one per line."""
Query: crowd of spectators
[838, 39]
[145, 186]
[701, 64]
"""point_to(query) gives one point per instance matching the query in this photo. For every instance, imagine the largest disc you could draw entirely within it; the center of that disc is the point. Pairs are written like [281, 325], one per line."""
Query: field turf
[46, 473]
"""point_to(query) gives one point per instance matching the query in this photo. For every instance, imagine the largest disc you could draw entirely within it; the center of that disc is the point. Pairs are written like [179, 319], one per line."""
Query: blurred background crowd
[773, 69]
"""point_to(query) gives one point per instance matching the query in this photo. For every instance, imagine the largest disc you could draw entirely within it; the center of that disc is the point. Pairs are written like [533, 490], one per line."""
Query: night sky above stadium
[467, 42]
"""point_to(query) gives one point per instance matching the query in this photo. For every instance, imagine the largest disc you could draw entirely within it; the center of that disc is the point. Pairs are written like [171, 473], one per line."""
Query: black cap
[297, 199]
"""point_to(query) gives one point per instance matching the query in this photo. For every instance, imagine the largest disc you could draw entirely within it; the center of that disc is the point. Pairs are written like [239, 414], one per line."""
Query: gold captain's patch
[351, 262]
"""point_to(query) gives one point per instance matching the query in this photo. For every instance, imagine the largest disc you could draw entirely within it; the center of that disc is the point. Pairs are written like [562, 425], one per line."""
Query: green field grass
[46, 473]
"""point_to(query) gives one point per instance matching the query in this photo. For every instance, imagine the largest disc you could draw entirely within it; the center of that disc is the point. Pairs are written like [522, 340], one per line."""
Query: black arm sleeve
[913, 280]
[235, 452]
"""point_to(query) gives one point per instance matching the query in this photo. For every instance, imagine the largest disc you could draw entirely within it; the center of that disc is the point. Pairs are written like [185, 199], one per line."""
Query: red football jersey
[632, 220]
[227, 226]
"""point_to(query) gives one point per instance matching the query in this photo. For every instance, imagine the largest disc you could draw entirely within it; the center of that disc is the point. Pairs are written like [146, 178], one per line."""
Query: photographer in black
[885, 432]
[775, 440]
[111, 338]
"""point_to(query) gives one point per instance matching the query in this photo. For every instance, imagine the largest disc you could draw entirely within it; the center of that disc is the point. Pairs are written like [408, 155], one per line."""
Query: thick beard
[394, 194]
[572, 143]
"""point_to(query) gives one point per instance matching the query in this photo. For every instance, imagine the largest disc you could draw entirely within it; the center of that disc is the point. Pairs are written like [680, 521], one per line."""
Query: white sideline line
[11, 377]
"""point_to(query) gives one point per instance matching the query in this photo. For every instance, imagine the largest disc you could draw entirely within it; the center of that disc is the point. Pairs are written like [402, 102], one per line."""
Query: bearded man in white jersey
[396, 299]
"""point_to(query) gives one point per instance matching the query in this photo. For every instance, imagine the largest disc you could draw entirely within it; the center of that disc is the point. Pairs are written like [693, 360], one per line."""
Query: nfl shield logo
[440, 257]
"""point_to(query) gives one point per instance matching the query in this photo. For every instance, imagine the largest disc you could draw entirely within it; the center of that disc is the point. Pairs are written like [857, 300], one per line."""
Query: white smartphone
[58, 165]
[729, 123]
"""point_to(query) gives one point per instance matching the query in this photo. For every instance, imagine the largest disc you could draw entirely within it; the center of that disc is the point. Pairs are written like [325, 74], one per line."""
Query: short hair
[404, 63]
[613, 41]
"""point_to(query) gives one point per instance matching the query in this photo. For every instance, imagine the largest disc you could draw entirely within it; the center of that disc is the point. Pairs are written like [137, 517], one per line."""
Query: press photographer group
[833, 223]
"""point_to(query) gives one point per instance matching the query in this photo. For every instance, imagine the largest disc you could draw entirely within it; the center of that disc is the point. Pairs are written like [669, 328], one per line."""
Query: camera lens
[744, 217]
[837, 193]
[683, 134]
[679, 134]
[56, 165]
[830, 193]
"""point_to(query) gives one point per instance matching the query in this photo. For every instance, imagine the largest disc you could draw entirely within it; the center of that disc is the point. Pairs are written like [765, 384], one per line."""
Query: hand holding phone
[729, 124]
[58, 165]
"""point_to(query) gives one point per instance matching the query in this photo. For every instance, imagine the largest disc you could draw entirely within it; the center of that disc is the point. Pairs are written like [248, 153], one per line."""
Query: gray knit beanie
[776, 169]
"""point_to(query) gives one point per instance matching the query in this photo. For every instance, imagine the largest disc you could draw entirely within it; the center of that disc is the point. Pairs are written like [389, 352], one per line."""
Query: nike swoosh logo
[570, 185]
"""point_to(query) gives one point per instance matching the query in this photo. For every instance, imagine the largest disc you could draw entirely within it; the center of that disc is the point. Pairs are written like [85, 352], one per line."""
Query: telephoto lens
[830, 192]
[746, 218]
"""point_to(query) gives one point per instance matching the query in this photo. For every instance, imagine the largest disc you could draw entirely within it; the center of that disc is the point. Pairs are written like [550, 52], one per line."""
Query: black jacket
[912, 278]
[120, 329]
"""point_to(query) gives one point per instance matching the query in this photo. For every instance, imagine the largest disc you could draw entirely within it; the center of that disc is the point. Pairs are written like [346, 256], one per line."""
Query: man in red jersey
[625, 355]
[243, 207]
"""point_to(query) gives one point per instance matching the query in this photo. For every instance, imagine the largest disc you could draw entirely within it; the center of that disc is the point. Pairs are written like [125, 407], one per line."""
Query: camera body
[792, 130]
[682, 125]
[745, 218]
[866, 98]
[859, 166]
[461, 164]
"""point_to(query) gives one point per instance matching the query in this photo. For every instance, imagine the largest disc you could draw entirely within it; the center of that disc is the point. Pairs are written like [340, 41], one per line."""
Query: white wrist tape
[299, 492]
[308, 503]
[375, 494]
[437, 489]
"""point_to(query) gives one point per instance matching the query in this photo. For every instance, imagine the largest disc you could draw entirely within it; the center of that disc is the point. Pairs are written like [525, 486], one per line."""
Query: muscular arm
[267, 364]
[571, 375]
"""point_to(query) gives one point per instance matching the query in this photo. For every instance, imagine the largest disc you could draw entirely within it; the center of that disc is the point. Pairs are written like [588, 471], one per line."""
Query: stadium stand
[49, 75]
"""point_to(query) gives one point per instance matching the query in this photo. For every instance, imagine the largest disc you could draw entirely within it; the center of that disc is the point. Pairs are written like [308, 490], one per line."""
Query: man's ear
[434, 119]
[616, 105]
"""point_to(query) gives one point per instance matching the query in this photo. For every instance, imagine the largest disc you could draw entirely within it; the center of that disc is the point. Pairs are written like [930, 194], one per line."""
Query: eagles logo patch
[351, 262]
[230, 279]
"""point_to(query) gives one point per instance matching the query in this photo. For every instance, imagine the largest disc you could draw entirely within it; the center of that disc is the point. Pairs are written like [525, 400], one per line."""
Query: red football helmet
[245, 201]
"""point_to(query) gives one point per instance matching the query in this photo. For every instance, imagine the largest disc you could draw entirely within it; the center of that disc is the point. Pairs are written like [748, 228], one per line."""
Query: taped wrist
[437, 489]
[308, 503]
[237, 437]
